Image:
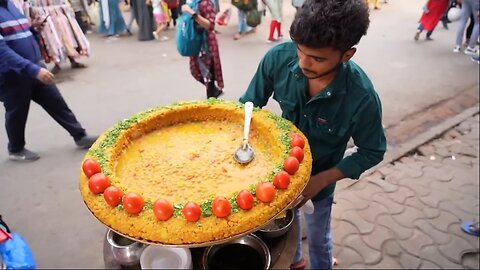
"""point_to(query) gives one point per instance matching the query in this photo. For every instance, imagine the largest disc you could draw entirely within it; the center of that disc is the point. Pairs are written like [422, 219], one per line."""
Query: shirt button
[329, 94]
[329, 130]
[296, 76]
[304, 115]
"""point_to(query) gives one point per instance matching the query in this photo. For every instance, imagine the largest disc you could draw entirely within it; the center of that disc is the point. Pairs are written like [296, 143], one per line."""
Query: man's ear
[349, 54]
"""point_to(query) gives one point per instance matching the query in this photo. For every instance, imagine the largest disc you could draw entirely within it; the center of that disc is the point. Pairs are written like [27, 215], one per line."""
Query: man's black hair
[339, 24]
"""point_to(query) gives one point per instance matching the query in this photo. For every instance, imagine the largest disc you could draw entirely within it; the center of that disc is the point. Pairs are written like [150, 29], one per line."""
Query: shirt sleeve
[261, 86]
[369, 136]
[11, 61]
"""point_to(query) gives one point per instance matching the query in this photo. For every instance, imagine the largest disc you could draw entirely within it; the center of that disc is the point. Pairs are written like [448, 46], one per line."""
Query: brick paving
[408, 214]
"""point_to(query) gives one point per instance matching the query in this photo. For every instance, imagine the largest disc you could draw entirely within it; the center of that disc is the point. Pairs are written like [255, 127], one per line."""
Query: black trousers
[17, 91]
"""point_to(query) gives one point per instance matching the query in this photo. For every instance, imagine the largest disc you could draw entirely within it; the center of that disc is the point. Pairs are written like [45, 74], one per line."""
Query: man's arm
[11, 61]
[368, 135]
[261, 86]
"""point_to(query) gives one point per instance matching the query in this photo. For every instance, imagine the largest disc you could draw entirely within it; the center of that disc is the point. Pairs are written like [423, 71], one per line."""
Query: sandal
[300, 265]
[78, 65]
[472, 228]
[56, 69]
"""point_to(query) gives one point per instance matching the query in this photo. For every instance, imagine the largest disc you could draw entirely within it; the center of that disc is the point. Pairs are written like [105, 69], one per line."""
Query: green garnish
[206, 207]
[177, 210]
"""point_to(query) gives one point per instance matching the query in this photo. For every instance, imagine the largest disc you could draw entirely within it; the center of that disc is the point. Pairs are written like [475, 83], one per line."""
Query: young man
[24, 78]
[330, 99]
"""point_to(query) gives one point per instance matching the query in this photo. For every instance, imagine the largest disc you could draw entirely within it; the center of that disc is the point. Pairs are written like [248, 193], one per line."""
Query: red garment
[436, 9]
[207, 10]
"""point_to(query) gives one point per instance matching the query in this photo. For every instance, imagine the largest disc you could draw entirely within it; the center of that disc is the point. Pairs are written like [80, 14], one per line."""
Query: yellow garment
[166, 11]
[375, 4]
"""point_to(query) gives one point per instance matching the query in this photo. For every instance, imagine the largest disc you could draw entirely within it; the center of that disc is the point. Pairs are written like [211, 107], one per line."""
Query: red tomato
[221, 207]
[133, 203]
[162, 209]
[91, 167]
[265, 192]
[291, 165]
[98, 183]
[245, 200]
[112, 195]
[297, 152]
[191, 211]
[297, 140]
[281, 180]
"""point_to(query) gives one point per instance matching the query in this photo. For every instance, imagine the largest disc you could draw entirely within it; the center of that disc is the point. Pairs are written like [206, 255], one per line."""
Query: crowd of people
[446, 11]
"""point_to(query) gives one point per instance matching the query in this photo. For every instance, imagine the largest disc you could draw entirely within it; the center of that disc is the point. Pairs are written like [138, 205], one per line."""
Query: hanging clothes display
[61, 37]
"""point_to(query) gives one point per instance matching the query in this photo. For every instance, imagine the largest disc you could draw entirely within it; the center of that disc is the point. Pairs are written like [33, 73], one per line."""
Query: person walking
[469, 7]
[206, 67]
[243, 6]
[330, 99]
[276, 10]
[432, 13]
[23, 78]
[143, 14]
[111, 20]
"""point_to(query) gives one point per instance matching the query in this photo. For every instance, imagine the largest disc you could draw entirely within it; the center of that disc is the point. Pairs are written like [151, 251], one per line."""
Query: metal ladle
[245, 153]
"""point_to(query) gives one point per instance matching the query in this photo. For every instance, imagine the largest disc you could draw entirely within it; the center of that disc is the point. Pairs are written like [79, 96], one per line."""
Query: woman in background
[206, 67]
[432, 13]
[111, 19]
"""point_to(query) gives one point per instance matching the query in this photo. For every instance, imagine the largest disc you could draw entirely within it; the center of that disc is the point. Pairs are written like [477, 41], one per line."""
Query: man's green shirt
[347, 108]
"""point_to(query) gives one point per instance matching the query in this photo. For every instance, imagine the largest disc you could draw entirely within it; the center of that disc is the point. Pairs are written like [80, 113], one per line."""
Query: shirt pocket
[331, 133]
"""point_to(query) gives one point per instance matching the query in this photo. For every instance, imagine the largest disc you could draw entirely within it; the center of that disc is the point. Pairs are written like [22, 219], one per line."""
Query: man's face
[316, 63]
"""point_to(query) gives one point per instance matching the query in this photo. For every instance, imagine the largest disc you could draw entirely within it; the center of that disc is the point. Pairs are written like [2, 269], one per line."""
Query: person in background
[297, 3]
[173, 8]
[160, 18]
[80, 9]
[144, 17]
[375, 4]
[206, 67]
[469, 7]
[243, 7]
[276, 10]
[330, 99]
[432, 12]
[111, 20]
[23, 78]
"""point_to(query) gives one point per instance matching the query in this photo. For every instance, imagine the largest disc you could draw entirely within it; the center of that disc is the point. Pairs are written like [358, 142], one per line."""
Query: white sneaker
[456, 49]
[155, 35]
[471, 51]
[163, 38]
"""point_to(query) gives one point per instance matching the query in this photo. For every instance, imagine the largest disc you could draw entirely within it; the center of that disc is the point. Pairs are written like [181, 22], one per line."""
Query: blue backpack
[190, 37]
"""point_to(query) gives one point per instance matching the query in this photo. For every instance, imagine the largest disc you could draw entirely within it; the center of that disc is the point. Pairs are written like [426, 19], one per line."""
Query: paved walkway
[409, 214]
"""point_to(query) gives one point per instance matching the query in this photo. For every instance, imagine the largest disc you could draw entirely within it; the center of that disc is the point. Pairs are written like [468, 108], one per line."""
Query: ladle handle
[248, 118]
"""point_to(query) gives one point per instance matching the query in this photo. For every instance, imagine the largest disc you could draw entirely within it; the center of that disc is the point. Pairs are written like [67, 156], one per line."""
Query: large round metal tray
[298, 190]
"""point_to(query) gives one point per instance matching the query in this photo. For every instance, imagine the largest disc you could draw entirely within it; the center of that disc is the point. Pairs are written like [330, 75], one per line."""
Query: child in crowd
[160, 18]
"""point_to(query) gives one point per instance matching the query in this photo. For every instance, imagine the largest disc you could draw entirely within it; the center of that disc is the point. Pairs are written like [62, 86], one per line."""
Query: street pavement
[41, 200]
[408, 214]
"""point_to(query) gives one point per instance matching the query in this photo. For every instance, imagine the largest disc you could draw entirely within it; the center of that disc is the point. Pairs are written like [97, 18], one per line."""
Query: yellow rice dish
[183, 153]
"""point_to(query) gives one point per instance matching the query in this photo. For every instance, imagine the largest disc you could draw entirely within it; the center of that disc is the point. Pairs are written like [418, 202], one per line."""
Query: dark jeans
[174, 13]
[17, 91]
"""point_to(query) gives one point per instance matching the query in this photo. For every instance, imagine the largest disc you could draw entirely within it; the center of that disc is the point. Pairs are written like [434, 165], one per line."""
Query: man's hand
[316, 184]
[45, 76]
[38, 24]
[148, 2]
